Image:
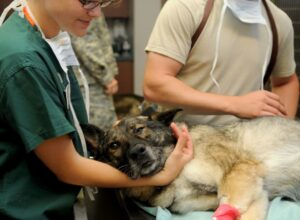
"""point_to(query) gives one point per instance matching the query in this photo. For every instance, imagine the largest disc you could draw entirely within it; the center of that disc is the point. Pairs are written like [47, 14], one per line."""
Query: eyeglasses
[90, 4]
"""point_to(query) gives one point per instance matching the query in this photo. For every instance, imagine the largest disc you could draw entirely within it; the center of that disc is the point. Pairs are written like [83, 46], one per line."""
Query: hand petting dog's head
[138, 146]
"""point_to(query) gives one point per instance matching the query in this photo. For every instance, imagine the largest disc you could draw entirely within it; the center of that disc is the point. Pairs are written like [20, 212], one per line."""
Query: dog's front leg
[258, 209]
[195, 203]
[242, 188]
[164, 198]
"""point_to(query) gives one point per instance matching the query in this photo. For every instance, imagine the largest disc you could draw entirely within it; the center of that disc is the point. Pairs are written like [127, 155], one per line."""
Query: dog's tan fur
[242, 164]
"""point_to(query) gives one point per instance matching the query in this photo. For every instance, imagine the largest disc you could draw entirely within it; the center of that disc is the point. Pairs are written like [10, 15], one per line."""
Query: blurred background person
[98, 64]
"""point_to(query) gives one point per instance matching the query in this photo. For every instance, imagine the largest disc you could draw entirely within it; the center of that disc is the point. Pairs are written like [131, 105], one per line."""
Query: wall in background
[145, 13]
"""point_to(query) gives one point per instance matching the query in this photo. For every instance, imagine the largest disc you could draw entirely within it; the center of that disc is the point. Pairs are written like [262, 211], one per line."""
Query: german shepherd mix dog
[241, 164]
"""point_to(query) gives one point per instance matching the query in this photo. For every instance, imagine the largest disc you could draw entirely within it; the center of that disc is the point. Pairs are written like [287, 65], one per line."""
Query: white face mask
[247, 11]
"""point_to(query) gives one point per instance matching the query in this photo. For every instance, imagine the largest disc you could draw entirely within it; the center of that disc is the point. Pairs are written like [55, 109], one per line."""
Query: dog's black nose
[137, 152]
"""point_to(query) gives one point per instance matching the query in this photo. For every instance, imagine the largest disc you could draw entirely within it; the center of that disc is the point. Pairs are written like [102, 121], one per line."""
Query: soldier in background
[97, 61]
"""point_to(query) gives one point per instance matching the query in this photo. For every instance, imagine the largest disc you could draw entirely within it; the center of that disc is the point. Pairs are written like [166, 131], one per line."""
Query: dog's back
[276, 142]
[273, 141]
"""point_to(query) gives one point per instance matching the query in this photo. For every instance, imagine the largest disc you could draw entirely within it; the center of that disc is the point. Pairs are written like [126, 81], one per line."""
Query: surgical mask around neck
[63, 50]
[246, 18]
[247, 11]
[60, 45]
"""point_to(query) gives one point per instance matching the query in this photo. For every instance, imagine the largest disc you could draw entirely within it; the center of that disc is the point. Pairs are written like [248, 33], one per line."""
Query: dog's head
[138, 146]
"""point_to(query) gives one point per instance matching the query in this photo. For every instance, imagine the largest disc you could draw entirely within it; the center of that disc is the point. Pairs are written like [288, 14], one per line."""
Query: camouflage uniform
[95, 54]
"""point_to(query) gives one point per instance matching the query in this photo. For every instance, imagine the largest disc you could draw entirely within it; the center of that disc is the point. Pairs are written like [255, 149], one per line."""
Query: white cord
[218, 47]
[86, 92]
[90, 190]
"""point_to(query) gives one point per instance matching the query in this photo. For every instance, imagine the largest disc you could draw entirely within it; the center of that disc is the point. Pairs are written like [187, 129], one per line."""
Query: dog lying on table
[242, 164]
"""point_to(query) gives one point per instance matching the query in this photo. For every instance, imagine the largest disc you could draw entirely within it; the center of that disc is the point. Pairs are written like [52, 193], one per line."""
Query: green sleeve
[33, 107]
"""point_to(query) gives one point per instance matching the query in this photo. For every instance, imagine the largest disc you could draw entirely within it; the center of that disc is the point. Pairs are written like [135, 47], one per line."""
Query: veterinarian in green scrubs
[41, 146]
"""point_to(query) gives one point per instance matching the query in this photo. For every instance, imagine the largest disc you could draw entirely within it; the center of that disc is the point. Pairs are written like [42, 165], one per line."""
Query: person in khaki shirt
[219, 80]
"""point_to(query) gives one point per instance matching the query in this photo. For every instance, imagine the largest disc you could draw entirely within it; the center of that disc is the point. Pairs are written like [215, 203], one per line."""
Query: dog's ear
[166, 117]
[93, 136]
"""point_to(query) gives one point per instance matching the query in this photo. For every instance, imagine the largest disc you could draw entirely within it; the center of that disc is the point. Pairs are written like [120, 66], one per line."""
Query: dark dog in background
[242, 164]
[127, 104]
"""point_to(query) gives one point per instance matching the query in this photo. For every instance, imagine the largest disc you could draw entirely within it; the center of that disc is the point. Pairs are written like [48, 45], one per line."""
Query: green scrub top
[33, 108]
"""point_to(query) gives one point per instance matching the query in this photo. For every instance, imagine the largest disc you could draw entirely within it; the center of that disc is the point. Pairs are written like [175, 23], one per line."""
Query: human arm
[162, 86]
[287, 88]
[60, 156]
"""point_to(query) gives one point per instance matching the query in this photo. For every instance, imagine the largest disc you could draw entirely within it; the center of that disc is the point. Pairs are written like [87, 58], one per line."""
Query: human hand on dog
[181, 155]
[258, 103]
[184, 144]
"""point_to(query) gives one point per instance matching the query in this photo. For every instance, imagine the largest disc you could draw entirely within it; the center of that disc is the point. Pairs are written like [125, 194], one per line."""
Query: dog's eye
[114, 145]
[138, 130]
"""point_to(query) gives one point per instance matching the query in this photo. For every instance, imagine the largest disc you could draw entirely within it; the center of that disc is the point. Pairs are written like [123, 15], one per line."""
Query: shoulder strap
[275, 44]
[207, 10]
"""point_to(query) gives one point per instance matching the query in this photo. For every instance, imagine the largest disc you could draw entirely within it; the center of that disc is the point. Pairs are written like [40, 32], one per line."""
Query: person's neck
[49, 27]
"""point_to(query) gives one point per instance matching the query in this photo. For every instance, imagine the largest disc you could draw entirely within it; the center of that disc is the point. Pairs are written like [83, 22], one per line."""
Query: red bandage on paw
[226, 212]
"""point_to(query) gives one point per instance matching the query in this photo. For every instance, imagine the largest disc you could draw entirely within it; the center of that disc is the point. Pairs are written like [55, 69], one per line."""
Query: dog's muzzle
[142, 161]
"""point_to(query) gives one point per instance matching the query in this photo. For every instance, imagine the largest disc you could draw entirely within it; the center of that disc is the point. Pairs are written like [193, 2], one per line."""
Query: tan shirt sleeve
[174, 28]
[285, 63]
